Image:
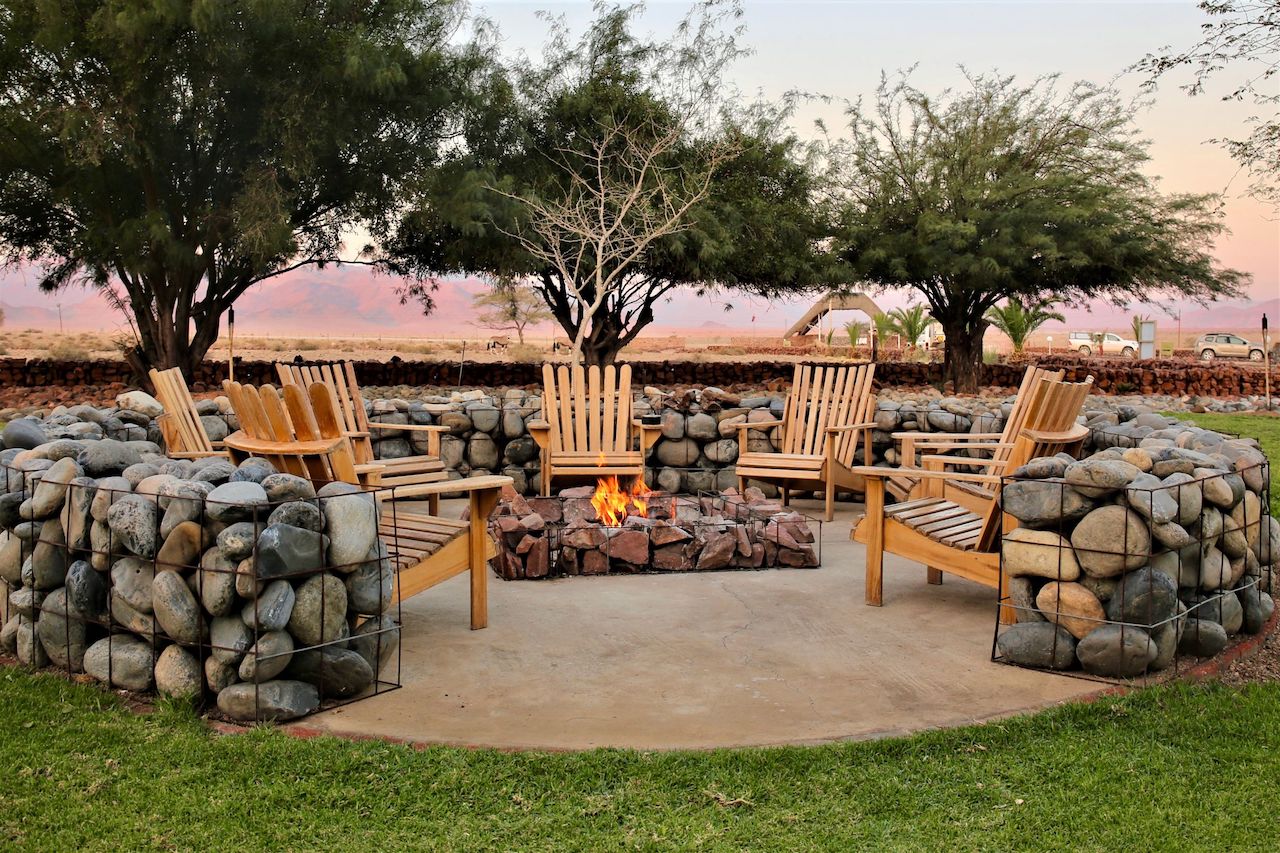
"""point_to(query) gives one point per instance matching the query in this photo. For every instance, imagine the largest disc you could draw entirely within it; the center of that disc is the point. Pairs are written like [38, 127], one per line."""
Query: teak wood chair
[828, 410]
[184, 434]
[947, 536]
[303, 434]
[348, 402]
[586, 428]
[912, 444]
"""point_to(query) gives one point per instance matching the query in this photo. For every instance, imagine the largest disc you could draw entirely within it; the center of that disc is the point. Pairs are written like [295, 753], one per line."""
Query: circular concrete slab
[701, 660]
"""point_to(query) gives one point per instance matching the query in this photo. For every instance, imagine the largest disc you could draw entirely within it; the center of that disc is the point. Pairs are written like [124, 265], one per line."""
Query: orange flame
[613, 505]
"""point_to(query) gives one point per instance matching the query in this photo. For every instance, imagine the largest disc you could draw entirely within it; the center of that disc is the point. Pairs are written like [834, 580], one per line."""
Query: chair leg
[831, 498]
[935, 575]
[786, 496]
[875, 541]
[433, 504]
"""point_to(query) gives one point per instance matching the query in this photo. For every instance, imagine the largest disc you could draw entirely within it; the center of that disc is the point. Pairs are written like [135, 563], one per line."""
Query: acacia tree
[176, 154]
[1244, 36]
[510, 305]
[619, 171]
[1006, 190]
[1018, 319]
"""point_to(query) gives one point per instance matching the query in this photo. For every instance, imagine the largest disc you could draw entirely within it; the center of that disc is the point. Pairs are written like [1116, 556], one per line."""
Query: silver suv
[1225, 345]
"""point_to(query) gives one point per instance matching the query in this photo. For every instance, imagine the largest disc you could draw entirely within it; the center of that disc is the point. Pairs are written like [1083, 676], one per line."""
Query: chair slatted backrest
[184, 424]
[1053, 407]
[824, 396]
[346, 400]
[1030, 386]
[589, 409]
[297, 417]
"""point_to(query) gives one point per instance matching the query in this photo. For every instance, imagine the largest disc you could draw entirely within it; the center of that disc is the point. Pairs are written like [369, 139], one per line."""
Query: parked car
[1225, 345]
[1103, 342]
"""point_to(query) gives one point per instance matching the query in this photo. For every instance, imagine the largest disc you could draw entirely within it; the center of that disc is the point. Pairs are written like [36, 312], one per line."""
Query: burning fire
[613, 505]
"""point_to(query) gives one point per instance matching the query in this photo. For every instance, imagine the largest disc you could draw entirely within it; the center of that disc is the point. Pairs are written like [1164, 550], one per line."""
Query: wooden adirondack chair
[947, 536]
[912, 444]
[184, 434]
[586, 428]
[828, 410]
[340, 377]
[303, 434]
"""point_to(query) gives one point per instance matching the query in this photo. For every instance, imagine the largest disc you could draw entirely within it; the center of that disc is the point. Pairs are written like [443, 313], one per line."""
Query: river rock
[1117, 650]
[287, 550]
[1145, 597]
[176, 608]
[134, 524]
[178, 673]
[140, 402]
[678, 453]
[1038, 644]
[268, 657]
[319, 610]
[62, 631]
[1039, 553]
[122, 661]
[1202, 638]
[1044, 503]
[336, 673]
[1072, 606]
[376, 640]
[51, 491]
[370, 586]
[1215, 569]
[302, 514]
[351, 520]
[270, 700]
[271, 610]
[216, 582]
[86, 591]
[30, 650]
[1097, 478]
[1257, 607]
[49, 557]
[1223, 608]
[182, 548]
[23, 434]
[287, 487]
[238, 501]
[229, 638]
[237, 540]
[1147, 495]
[1110, 540]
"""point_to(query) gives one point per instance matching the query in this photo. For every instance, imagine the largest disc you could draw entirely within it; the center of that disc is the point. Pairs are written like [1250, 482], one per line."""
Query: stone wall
[1159, 546]
[193, 578]
[1155, 376]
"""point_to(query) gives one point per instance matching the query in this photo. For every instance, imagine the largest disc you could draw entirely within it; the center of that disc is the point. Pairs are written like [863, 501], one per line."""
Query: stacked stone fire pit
[579, 532]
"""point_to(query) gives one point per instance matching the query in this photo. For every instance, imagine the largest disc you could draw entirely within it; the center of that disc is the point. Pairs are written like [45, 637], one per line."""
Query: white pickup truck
[1087, 343]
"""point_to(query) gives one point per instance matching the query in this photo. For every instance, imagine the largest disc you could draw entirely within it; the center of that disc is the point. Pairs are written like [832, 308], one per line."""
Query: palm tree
[1138, 320]
[911, 323]
[1017, 321]
[884, 327]
[855, 329]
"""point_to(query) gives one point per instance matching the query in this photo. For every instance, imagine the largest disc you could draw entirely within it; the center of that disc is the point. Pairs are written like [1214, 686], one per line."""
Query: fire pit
[610, 530]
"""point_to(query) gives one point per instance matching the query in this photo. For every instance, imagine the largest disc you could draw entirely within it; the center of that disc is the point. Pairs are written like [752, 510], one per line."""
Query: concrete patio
[701, 660]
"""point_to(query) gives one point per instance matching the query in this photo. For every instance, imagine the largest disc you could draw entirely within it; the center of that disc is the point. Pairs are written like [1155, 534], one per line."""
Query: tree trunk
[963, 365]
[163, 345]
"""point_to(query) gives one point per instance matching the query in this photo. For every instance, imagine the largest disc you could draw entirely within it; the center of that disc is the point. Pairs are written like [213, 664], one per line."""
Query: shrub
[67, 351]
[525, 354]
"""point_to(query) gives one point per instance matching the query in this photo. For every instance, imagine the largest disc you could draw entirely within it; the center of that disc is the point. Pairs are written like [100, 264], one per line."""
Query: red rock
[671, 558]
[665, 534]
[549, 508]
[594, 562]
[718, 551]
[578, 492]
[538, 562]
[629, 546]
[584, 537]
[743, 540]
[533, 521]
[527, 543]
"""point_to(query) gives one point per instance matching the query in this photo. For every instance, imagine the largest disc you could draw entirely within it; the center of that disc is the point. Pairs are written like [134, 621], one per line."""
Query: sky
[839, 48]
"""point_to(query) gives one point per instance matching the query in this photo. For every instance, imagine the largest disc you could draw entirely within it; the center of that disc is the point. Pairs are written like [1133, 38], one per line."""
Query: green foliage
[911, 323]
[608, 99]
[1240, 35]
[1003, 189]
[510, 304]
[1017, 319]
[86, 773]
[174, 154]
[884, 326]
[855, 329]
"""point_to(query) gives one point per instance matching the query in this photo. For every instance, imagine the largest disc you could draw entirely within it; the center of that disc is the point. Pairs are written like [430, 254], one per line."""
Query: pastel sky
[840, 47]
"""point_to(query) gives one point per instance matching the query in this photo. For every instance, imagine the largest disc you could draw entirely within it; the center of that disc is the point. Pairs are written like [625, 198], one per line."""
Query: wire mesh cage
[241, 587]
[1136, 561]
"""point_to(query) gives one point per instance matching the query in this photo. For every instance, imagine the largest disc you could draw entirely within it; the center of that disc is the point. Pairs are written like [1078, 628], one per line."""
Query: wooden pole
[231, 344]
[1266, 361]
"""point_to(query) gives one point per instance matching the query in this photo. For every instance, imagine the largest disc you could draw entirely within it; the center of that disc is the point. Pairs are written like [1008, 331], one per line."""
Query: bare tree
[510, 306]
[626, 190]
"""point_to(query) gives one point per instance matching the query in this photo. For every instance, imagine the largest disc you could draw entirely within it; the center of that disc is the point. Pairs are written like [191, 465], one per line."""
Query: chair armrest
[239, 441]
[937, 460]
[540, 430]
[761, 425]
[850, 427]
[195, 454]
[1074, 433]
[948, 436]
[875, 472]
[440, 487]
[409, 427]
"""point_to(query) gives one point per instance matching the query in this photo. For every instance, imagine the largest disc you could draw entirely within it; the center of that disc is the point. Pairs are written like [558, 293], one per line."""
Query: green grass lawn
[1163, 767]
